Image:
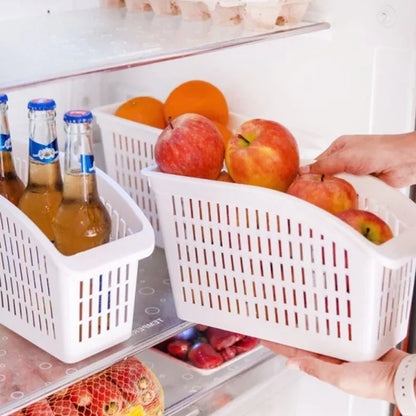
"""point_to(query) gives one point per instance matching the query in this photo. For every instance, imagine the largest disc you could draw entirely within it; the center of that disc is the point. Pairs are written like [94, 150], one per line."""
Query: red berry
[201, 327]
[204, 356]
[221, 339]
[179, 348]
[228, 353]
[246, 344]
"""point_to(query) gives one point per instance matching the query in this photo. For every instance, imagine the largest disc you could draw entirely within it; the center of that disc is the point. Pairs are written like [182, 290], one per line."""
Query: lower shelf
[28, 373]
[190, 393]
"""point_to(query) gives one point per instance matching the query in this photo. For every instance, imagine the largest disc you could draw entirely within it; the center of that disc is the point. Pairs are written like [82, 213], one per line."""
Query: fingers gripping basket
[71, 306]
[267, 264]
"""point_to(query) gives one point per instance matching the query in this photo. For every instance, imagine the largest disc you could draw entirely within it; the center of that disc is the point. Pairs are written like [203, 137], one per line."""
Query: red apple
[191, 145]
[262, 153]
[330, 193]
[370, 225]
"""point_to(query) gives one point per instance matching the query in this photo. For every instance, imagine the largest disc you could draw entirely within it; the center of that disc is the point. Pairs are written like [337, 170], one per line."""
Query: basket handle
[402, 249]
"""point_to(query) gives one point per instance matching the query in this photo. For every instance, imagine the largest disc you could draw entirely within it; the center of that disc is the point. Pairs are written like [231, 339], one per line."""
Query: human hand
[392, 158]
[371, 379]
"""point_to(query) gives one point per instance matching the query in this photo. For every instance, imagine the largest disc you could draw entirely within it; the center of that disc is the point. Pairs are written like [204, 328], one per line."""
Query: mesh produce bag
[128, 388]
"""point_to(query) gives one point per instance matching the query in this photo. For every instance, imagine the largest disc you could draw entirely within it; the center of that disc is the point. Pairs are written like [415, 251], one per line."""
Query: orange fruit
[198, 97]
[225, 132]
[145, 110]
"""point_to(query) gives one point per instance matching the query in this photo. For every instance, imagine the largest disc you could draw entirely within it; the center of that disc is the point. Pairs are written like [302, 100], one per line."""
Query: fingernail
[304, 169]
[292, 364]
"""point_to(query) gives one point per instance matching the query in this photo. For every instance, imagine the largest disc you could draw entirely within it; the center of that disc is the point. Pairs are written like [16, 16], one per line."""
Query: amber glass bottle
[11, 186]
[81, 221]
[43, 192]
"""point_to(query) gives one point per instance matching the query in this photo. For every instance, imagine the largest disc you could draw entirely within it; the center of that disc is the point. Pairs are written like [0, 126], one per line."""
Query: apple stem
[322, 178]
[170, 122]
[367, 231]
[240, 136]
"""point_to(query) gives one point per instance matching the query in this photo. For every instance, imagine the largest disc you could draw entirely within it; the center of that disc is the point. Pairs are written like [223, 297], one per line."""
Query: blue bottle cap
[78, 116]
[41, 104]
[3, 98]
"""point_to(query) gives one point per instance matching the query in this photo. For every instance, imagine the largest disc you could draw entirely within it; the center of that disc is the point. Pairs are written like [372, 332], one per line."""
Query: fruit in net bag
[127, 388]
[138, 385]
[40, 408]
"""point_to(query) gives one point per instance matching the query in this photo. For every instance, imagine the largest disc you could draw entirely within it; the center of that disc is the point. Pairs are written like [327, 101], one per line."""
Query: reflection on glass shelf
[27, 373]
[73, 43]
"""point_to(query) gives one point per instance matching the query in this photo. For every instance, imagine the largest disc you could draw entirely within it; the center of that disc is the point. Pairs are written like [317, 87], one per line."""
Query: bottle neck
[79, 178]
[43, 143]
[5, 141]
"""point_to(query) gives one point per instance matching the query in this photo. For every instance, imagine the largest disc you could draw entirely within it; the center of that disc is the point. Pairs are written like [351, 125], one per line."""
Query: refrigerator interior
[357, 76]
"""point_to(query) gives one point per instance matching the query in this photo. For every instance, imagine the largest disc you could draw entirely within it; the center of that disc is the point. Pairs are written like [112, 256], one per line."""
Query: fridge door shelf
[81, 42]
[40, 374]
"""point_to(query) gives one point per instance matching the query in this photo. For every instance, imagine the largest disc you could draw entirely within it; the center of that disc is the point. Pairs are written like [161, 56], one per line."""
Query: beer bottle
[43, 192]
[81, 221]
[11, 186]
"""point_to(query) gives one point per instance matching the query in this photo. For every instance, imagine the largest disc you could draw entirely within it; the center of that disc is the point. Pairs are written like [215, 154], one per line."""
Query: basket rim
[143, 239]
[388, 251]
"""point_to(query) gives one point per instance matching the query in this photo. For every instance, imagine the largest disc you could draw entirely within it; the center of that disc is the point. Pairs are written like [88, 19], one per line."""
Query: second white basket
[71, 306]
[266, 264]
[128, 148]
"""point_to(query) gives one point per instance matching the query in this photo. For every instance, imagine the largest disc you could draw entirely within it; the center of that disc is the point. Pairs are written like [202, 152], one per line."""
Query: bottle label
[5, 143]
[87, 164]
[44, 153]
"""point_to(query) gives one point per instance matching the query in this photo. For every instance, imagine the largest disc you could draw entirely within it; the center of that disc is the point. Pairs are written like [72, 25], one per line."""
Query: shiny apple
[370, 225]
[191, 145]
[328, 192]
[263, 153]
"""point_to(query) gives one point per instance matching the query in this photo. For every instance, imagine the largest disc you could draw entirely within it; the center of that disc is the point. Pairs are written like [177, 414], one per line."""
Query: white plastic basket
[128, 148]
[71, 306]
[267, 264]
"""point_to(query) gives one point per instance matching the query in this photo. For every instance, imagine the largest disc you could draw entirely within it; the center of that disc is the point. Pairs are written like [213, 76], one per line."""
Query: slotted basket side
[269, 265]
[129, 148]
[72, 306]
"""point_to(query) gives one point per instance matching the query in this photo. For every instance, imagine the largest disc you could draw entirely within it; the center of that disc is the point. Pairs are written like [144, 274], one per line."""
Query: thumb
[328, 166]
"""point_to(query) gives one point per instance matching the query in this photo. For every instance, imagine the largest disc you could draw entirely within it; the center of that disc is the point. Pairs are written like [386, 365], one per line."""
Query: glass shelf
[68, 44]
[190, 392]
[28, 374]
